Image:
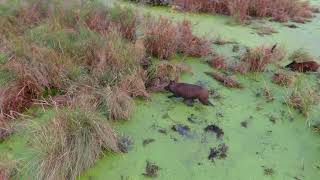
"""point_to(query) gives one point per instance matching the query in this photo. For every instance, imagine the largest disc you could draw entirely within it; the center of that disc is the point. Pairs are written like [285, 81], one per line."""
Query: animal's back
[189, 90]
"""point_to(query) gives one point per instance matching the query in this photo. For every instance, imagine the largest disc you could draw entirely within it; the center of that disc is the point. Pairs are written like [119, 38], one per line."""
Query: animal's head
[169, 86]
[291, 64]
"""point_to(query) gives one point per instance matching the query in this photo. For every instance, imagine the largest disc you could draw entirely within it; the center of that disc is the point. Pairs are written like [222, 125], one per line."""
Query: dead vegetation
[164, 38]
[69, 143]
[257, 59]
[218, 62]
[283, 78]
[120, 105]
[7, 166]
[300, 55]
[303, 100]
[190, 44]
[229, 82]
[160, 74]
[279, 10]
[161, 38]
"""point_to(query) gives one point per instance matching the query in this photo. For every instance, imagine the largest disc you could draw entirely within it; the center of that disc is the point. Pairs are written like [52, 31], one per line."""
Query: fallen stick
[225, 80]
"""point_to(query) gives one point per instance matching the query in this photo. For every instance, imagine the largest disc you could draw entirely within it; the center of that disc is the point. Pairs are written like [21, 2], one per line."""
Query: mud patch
[215, 129]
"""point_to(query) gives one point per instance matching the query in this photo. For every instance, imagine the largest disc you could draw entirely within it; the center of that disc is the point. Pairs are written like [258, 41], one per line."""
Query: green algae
[288, 146]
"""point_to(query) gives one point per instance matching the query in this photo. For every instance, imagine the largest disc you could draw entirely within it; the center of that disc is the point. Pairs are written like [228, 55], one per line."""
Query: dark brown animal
[189, 92]
[308, 66]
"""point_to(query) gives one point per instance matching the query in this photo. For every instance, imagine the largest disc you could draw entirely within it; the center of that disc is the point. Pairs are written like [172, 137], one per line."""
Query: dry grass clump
[37, 70]
[97, 20]
[300, 55]
[283, 78]
[229, 82]
[164, 38]
[218, 62]
[161, 37]
[159, 75]
[114, 58]
[259, 58]
[126, 19]
[303, 100]
[134, 85]
[5, 128]
[202, 6]
[31, 13]
[279, 10]
[7, 166]
[70, 143]
[15, 99]
[120, 104]
[190, 44]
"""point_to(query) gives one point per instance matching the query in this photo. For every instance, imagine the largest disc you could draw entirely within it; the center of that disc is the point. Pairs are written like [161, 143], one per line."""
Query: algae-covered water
[277, 142]
[284, 149]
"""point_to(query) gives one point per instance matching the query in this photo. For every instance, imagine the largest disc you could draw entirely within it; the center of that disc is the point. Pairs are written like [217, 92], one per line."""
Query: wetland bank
[252, 132]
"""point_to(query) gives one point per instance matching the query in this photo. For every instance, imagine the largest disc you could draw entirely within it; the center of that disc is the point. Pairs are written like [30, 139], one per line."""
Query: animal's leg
[188, 102]
[205, 102]
[172, 96]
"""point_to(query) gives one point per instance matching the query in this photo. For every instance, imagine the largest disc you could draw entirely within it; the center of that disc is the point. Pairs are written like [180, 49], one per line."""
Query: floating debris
[125, 144]
[227, 81]
[223, 149]
[215, 129]
[293, 26]
[152, 170]
[244, 124]
[273, 119]
[213, 154]
[148, 141]
[193, 119]
[162, 131]
[181, 129]
[235, 48]
[268, 171]
[220, 152]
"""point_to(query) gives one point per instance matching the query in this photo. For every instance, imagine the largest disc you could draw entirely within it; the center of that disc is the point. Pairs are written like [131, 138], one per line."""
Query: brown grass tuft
[283, 78]
[69, 143]
[126, 19]
[159, 75]
[303, 100]
[7, 166]
[16, 98]
[300, 55]
[120, 105]
[114, 58]
[259, 58]
[161, 38]
[190, 44]
[97, 21]
[31, 13]
[218, 62]
[134, 85]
